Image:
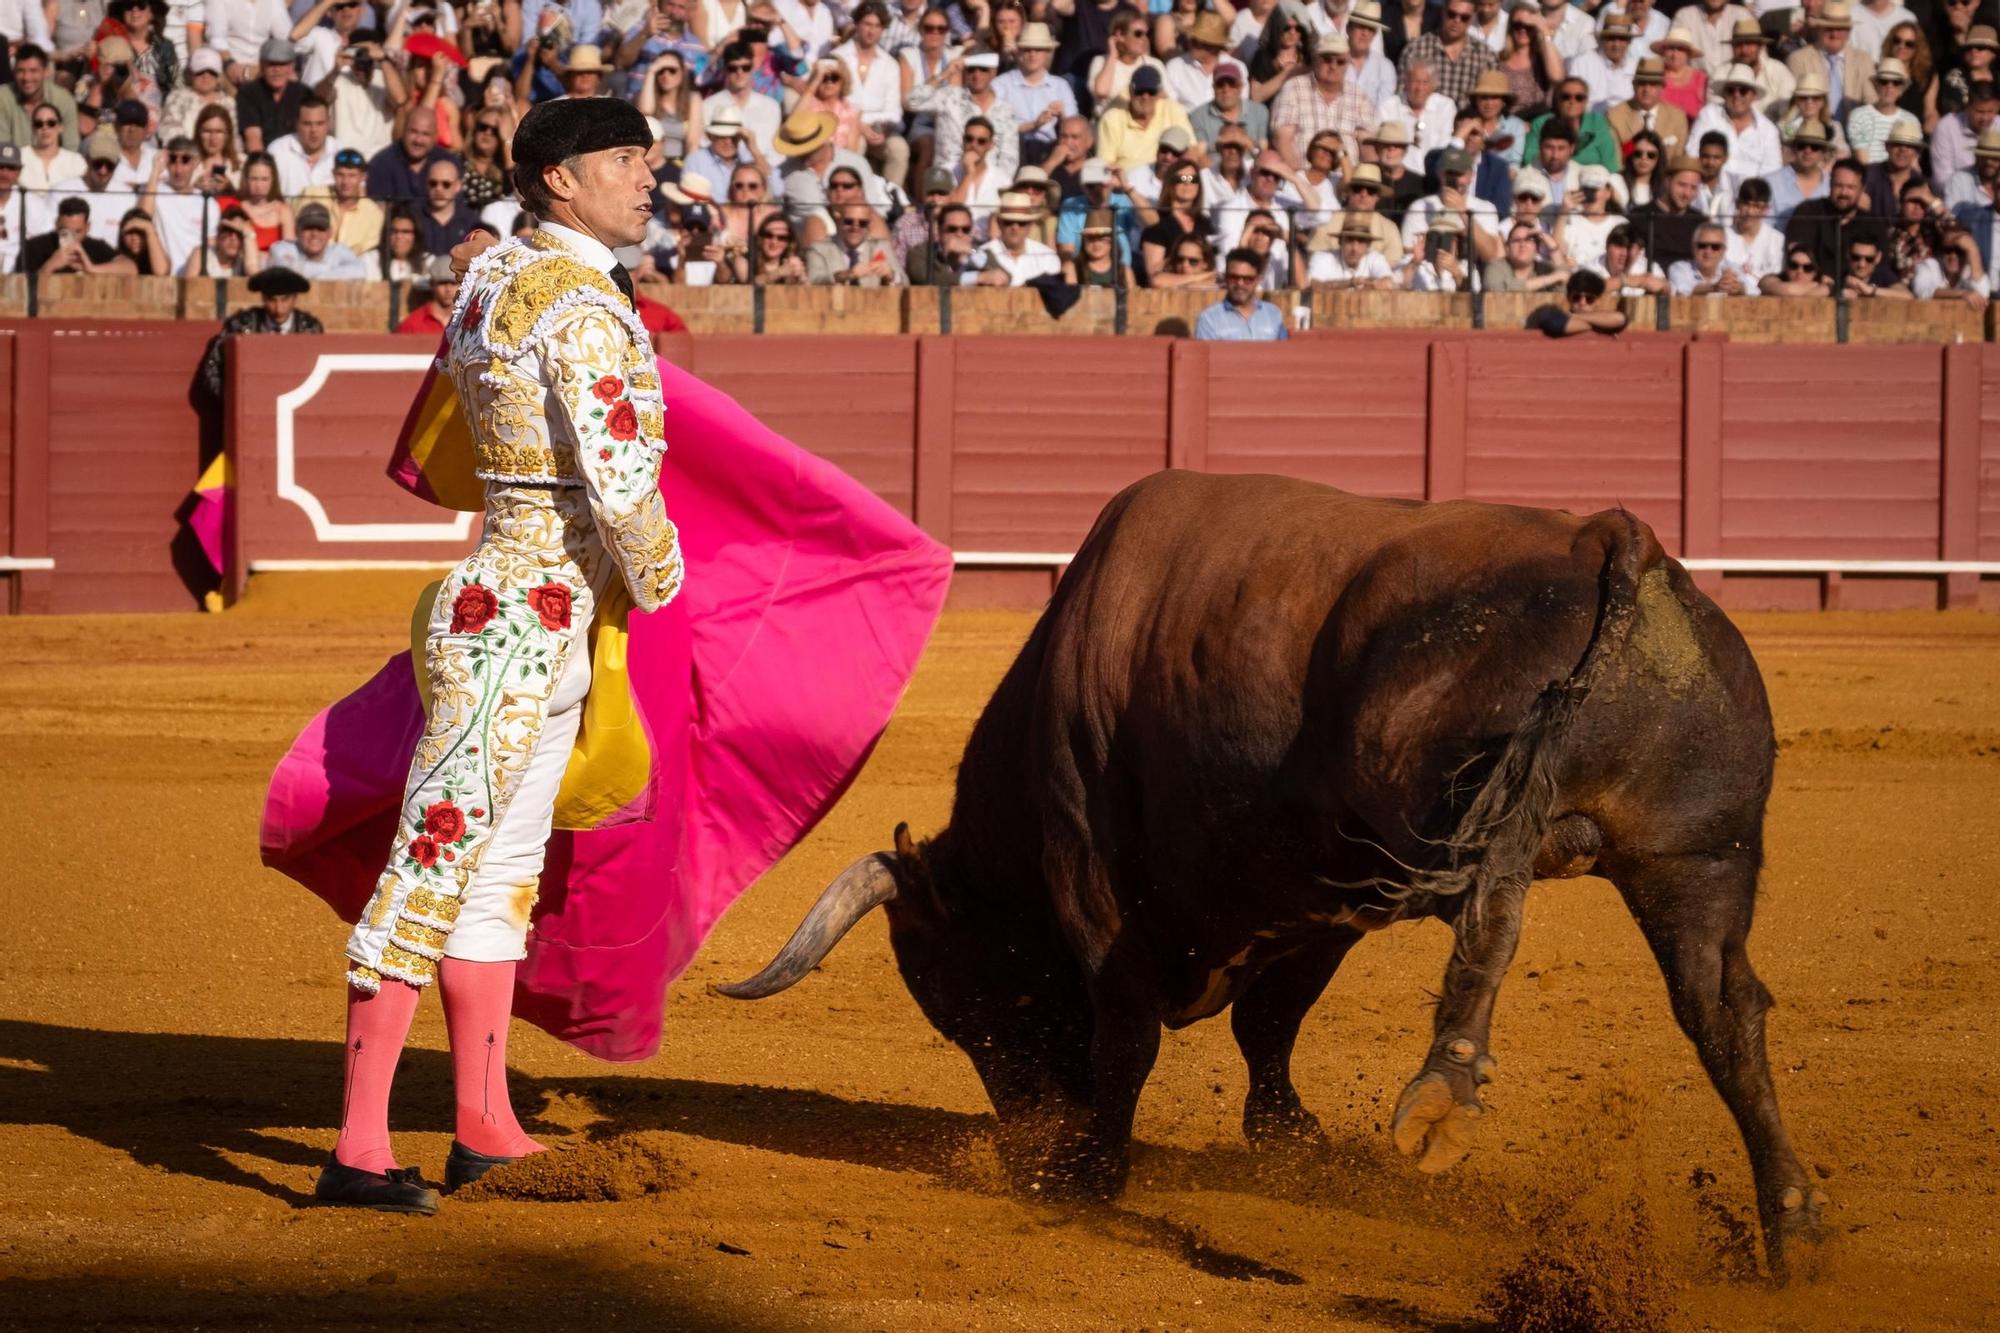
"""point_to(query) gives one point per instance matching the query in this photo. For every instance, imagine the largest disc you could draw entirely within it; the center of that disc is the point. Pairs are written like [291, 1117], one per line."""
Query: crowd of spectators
[1448, 145]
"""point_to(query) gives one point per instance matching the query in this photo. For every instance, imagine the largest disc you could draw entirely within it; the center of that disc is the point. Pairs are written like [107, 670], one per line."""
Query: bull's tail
[1500, 831]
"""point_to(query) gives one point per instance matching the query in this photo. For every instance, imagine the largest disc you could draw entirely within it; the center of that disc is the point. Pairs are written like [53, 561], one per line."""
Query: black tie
[623, 280]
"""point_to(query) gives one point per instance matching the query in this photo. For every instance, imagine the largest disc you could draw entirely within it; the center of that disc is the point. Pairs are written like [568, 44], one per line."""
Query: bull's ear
[906, 847]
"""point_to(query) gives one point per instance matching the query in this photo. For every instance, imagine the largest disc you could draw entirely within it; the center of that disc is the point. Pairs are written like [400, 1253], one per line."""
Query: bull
[1261, 718]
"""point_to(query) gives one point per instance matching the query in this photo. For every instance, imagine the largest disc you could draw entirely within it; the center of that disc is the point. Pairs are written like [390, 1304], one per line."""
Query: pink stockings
[478, 1000]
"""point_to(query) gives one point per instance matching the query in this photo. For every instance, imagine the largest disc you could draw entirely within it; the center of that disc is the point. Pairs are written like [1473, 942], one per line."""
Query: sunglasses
[1572, 97]
[979, 142]
[1796, 267]
[484, 128]
[1267, 173]
[782, 237]
[133, 235]
[1012, 222]
[853, 222]
[182, 157]
[440, 185]
[742, 185]
[935, 27]
[1189, 261]
[960, 230]
[1238, 279]
[1363, 187]
[1646, 154]
[1861, 257]
[42, 124]
[1708, 245]
[740, 67]
[1336, 62]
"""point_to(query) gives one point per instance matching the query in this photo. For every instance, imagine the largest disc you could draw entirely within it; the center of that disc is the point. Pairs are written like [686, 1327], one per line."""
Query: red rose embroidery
[478, 813]
[608, 388]
[474, 607]
[622, 421]
[472, 313]
[423, 851]
[445, 822]
[604, 455]
[551, 603]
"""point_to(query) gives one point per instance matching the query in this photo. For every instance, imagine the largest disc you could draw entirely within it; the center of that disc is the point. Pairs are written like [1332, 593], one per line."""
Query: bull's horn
[860, 889]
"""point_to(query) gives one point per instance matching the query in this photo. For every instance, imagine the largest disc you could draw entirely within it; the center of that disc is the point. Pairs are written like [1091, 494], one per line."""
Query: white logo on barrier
[324, 528]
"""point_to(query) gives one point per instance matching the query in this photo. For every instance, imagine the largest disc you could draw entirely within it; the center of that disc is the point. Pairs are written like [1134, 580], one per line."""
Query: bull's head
[989, 972]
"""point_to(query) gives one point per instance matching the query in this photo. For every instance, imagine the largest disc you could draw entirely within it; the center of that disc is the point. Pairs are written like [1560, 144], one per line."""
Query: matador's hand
[476, 243]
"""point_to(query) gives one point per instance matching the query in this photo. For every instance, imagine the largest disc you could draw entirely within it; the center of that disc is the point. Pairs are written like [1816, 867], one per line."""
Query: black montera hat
[279, 281]
[555, 131]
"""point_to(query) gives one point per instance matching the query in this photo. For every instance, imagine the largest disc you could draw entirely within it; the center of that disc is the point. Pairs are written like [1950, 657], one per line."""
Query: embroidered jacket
[559, 385]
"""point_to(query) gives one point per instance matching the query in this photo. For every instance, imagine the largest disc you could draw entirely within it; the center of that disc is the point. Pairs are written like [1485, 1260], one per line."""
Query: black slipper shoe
[462, 1166]
[401, 1190]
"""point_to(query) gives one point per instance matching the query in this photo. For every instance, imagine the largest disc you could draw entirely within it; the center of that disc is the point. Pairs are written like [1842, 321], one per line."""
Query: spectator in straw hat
[1013, 258]
[1806, 175]
[1363, 194]
[1750, 45]
[1954, 136]
[1035, 183]
[1493, 101]
[1973, 196]
[1369, 68]
[439, 288]
[1872, 21]
[1683, 85]
[1754, 146]
[1096, 263]
[1608, 70]
[1848, 72]
[1231, 110]
[1953, 272]
[1389, 149]
[1649, 25]
[1190, 76]
[1352, 263]
[315, 253]
[1898, 168]
[1951, 89]
[1809, 104]
[1440, 262]
[1039, 100]
[1648, 109]
[1710, 29]
[1868, 126]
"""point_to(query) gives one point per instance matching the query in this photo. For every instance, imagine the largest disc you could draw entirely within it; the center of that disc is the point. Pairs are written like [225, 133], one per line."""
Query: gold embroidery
[414, 935]
[404, 965]
[429, 903]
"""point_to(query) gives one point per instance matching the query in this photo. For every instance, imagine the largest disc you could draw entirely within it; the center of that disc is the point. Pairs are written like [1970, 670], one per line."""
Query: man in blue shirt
[1038, 98]
[1239, 317]
[1100, 190]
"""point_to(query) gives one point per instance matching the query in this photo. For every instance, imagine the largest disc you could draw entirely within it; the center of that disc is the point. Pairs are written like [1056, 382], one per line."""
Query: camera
[364, 64]
[694, 217]
[1440, 243]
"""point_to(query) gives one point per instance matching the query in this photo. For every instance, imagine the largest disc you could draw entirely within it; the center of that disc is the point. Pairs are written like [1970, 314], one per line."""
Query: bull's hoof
[1797, 1220]
[1432, 1119]
[1282, 1125]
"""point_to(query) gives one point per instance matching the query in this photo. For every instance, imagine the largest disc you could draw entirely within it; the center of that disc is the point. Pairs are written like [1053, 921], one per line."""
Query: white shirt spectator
[180, 13]
[1716, 201]
[1418, 220]
[1327, 266]
[107, 209]
[1871, 28]
[1683, 277]
[1376, 79]
[879, 97]
[984, 196]
[296, 174]
[68, 164]
[1761, 255]
[1756, 151]
[1426, 276]
[1035, 261]
[362, 117]
[335, 262]
[1430, 127]
[1609, 84]
[1654, 28]
[1188, 83]
[761, 116]
[1028, 100]
[125, 176]
[1868, 131]
[1234, 211]
[1711, 35]
[1928, 280]
[318, 50]
[815, 24]
[1576, 33]
[183, 219]
[1583, 238]
[10, 235]
[24, 21]
[239, 28]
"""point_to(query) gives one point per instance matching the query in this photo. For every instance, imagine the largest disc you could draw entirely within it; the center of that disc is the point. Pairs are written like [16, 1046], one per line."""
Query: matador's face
[614, 195]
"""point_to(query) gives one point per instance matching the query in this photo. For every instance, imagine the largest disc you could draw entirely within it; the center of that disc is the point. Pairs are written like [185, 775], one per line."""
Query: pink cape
[765, 684]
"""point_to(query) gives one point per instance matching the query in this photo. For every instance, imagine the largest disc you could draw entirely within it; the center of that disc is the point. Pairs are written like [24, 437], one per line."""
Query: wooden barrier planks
[1345, 409]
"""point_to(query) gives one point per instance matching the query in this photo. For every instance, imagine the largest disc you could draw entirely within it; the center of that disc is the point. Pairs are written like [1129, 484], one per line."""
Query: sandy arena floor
[170, 1018]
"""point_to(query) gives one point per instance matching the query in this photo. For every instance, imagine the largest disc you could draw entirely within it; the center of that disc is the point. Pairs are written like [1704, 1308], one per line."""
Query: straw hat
[1618, 25]
[1811, 84]
[1739, 76]
[1493, 84]
[1365, 174]
[1393, 133]
[1988, 145]
[1982, 35]
[690, 189]
[1837, 14]
[585, 58]
[1905, 134]
[1099, 222]
[1812, 132]
[1446, 222]
[1208, 29]
[1354, 229]
[1036, 37]
[805, 131]
[1650, 70]
[1684, 39]
[1015, 207]
[1746, 30]
[1531, 181]
[1366, 14]
[1890, 68]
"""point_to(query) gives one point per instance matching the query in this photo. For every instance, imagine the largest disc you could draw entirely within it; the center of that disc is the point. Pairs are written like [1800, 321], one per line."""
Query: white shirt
[68, 164]
[1430, 127]
[125, 176]
[181, 13]
[1188, 83]
[761, 117]
[296, 174]
[1234, 212]
[1683, 277]
[362, 118]
[1428, 277]
[878, 97]
[1872, 29]
[815, 26]
[107, 209]
[1376, 78]
[1928, 280]
[24, 21]
[1418, 220]
[179, 218]
[983, 198]
[1035, 260]
[1761, 255]
[1711, 35]
[1754, 151]
[1583, 238]
[1327, 266]
[239, 28]
[1609, 84]
[1576, 33]
[318, 50]
[10, 231]
[1654, 28]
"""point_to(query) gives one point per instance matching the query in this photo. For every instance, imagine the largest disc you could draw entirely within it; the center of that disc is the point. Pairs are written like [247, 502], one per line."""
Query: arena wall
[1786, 476]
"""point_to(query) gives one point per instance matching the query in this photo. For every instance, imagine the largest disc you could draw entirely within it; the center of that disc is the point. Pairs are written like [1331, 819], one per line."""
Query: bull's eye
[1024, 1002]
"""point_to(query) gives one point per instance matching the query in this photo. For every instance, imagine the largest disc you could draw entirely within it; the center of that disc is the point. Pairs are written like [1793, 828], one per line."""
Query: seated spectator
[182, 213]
[1438, 258]
[1868, 126]
[1420, 107]
[268, 211]
[1230, 108]
[1649, 109]
[1755, 148]
[439, 288]
[1275, 188]
[1530, 206]
[1076, 141]
[1710, 273]
[1755, 247]
[1180, 214]
[1595, 141]
[1913, 236]
[1591, 218]
[1263, 237]
[279, 312]
[852, 257]
[1625, 262]
[1096, 263]
[875, 78]
[913, 229]
[1389, 149]
[267, 109]
[1556, 164]
[107, 205]
[1453, 200]
[1325, 100]
[1589, 309]
[1607, 71]
[955, 107]
[1013, 258]
[139, 241]
[1327, 163]
[1973, 194]
[315, 253]
[1040, 101]
[215, 140]
[11, 201]
[1829, 226]
[1364, 193]
[1229, 176]
[396, 174]
[1129, 135]
[1887, 179]
[1109, 79]
[231, 251]
[667, 99]
[979, 183]
[445, 220]
[332, 26]
[45, 160]
[306, 156]
[357, 219]
[1806, 177]
[945, 258]
[1954, 136]
[1801, 275]
[1521, 266]
[1809, 106]
[1240, 316]
[1866, 276]
[1369, 66]
[1669, 222]
[1191, 264]
[69, 247]
[772, 259]
[1143, 182]
[132, 125]
[1100, 189]
[717, 160]
[1493, 102]
[1953, 272]
[1190, 76]
[401, 257]
[31, 90]
[1644, 175]
[1280, 50]
[1717, 196]
[1354, 264]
